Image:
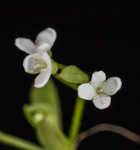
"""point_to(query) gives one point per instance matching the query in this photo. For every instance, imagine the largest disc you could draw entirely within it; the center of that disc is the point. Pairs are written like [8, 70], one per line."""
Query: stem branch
[61, 66]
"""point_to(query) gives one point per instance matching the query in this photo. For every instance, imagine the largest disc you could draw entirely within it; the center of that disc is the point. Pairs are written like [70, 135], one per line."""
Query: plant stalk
[76, 120]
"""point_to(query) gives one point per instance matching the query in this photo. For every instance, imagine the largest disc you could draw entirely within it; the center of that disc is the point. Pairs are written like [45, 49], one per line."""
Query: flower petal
[98, 78]
[102, 102]
[42, 79]
[25, 45]
[86, 91]
[44, 76]
[34, 63]
[112, 85]
[46, 38]
[47, 59]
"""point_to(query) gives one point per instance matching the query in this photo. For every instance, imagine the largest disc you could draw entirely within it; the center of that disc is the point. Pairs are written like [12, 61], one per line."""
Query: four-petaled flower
[100, 90]
[38, 61]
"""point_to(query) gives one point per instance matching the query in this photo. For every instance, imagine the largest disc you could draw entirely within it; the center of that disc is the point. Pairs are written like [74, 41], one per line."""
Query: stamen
[37, 65]
[99, 90]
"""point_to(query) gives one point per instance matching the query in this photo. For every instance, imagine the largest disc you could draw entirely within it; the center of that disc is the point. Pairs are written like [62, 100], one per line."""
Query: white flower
[38, 61]
[100, 90]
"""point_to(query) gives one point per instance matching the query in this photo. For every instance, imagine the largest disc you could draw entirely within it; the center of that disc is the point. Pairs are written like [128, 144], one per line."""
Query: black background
[93, 39]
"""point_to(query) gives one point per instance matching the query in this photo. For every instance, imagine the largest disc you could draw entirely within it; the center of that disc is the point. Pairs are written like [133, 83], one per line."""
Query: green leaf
[48, 98]
[44, 115]
[74, 75]
[50, 136]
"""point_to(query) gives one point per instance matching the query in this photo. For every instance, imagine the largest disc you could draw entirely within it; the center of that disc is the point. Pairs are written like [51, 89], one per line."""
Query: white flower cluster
[38, 61]
[99, 90]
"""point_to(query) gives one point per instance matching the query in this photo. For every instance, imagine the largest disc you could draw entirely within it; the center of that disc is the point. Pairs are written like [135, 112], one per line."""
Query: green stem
[61, 66]
[78, 111]
[76, 120]
[73, 86]
[17, 142]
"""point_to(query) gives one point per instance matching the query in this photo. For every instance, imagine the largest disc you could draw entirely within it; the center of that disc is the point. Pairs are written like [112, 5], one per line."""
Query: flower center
[99, 90]
[37, 65]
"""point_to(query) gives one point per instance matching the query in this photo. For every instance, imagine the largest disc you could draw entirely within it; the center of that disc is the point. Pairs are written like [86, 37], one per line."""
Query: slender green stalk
[73, 86]
[17, 142]
[76, 120]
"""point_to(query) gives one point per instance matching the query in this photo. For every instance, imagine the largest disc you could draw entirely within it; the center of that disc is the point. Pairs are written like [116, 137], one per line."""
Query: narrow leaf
[48, 97]
[50, 136]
